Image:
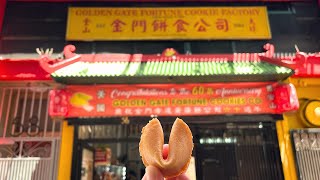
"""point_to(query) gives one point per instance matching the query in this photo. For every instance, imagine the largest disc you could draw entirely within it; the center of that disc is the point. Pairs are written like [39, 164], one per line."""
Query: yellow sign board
[167, 23]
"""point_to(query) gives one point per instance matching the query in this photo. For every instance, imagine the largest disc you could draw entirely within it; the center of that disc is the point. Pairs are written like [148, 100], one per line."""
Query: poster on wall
[167, 23]
[102, 156]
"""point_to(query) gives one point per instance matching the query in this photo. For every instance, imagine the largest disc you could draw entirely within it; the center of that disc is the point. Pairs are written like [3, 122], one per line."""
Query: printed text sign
[168, 23]
[166, 100]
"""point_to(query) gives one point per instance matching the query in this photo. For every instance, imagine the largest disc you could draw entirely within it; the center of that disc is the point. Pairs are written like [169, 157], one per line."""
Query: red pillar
[2, 11]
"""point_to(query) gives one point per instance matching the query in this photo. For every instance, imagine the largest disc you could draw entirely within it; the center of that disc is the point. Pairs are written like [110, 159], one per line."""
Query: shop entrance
[115, 147]
[239, 151]
[224, 150]
[106, 161]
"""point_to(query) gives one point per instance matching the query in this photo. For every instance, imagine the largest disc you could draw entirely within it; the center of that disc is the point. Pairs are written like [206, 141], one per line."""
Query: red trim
[47, 65]
[2, 12]
[168, 55]
[305, 65]
[308, 65]
[280, 62]
[20, 70]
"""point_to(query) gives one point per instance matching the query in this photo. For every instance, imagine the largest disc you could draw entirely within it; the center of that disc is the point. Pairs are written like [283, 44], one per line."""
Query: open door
[87, 162]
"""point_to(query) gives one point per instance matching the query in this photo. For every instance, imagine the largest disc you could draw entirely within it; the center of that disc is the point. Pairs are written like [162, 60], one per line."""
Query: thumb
[152, 173]
[181, 177]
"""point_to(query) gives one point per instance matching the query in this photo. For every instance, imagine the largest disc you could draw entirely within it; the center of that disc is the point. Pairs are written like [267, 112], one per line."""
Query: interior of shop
[109, 162]
[227, 150]
[113, 151]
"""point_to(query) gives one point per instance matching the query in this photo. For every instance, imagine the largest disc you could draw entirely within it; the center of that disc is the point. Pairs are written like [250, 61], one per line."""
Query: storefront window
[116, 149]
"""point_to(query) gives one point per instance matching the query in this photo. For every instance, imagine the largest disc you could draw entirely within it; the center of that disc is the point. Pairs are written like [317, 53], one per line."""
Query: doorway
[231, 151]
[116, 149]
[87, 162]
[96, 163]
[239, 151]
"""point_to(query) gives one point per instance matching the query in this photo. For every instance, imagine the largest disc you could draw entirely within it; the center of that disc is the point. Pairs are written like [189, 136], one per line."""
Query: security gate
[239, 151]
[246, 149]
[306, 144]
[29, 138]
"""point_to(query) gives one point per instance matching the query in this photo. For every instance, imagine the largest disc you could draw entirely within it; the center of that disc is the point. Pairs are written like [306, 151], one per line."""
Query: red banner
[172, 99]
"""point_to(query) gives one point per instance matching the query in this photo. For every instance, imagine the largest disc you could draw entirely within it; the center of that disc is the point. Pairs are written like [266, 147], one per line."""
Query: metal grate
[29, 159]
[239, 152]
[115, 131]
[29, 139]
[306, 144]
[24, 113]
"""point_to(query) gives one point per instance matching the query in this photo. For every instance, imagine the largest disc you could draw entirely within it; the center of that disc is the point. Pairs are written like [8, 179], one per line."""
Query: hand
[153, 173]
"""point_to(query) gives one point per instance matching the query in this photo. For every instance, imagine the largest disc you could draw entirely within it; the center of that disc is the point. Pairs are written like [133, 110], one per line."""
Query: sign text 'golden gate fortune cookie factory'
[167, 23]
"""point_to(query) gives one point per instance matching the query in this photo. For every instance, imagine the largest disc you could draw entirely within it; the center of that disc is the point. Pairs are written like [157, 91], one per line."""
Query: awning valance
[170, 67]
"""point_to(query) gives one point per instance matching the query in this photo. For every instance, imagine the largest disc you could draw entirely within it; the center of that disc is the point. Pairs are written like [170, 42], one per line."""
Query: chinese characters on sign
[168, 23]
[173, 99]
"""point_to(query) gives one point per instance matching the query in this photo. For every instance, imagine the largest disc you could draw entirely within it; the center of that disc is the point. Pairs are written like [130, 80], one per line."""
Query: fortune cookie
[180, 147]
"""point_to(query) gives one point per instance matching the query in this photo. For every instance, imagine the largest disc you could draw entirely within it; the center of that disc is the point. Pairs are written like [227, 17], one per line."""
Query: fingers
[180, 147]
[165, 153]
[181, 177]
[152, 173]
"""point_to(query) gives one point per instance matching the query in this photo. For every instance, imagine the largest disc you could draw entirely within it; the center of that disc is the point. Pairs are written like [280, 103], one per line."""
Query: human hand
[153, 173]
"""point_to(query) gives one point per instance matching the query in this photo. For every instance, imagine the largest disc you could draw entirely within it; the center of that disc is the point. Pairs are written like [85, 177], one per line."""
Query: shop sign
[172, 100]
[167, 23]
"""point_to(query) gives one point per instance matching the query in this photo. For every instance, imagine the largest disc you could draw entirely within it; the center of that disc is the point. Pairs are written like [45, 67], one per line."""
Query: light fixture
[317, 111]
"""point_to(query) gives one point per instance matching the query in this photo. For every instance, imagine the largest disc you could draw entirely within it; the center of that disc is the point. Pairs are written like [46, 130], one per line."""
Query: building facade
[28, 25]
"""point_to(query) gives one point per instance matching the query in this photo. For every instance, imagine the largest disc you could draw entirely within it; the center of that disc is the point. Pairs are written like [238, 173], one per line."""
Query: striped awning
[169, 71]
[169, 67]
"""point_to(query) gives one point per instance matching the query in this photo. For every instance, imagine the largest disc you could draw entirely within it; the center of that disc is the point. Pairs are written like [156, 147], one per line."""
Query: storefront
[29, 139]
[236, 136]
[298, 133]
[230, 101]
